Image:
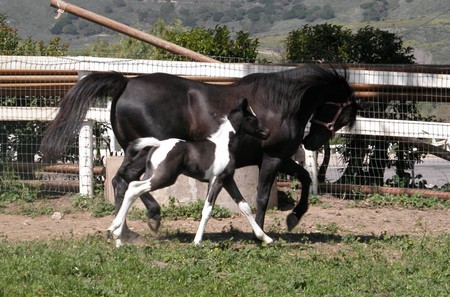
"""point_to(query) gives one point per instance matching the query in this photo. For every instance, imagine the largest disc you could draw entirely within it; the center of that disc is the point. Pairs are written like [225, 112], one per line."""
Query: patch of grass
[13, 189]
[329, 228]
[98, 205]
[381, 266]
[102, 209]
[314, 200]
[82, 202]
[136, 214]
[413, 201]
[29, 209]
[193, 210]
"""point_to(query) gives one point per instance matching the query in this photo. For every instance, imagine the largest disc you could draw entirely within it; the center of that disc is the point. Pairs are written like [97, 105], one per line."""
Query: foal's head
[244, 120]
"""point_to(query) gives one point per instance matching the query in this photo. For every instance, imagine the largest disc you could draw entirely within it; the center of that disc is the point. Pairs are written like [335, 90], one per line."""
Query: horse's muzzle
[311, 144]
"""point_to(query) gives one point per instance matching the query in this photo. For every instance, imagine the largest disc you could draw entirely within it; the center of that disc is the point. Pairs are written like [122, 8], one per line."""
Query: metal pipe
[129, 31]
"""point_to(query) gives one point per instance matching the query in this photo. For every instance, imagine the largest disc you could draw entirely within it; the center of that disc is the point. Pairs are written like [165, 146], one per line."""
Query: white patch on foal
[220, 138]
[164, 147]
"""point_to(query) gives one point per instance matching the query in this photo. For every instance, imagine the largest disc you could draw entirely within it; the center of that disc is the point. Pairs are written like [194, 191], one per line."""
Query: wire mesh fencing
[400, 143]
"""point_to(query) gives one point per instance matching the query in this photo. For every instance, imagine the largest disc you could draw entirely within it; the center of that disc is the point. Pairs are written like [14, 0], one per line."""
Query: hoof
[109, 234]
[291, 221]
[154, 224]
[268, 240]
[129, 236]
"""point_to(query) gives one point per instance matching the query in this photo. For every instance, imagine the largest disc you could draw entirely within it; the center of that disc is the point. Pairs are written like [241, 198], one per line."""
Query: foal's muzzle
[265, 134]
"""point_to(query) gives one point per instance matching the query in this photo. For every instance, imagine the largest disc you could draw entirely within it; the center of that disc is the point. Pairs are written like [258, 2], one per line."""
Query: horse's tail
[144, 142]
[74, 106]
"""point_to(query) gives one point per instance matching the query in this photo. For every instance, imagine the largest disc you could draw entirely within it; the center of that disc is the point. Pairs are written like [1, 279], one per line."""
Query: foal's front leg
[215, 185]
[232, 189]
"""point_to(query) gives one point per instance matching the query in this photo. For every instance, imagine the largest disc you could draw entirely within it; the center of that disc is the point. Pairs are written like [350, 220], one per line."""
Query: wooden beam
[129, 31]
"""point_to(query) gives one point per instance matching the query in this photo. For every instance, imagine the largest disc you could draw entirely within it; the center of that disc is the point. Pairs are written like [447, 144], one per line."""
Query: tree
[334, 44]
[326, 42]
[215, 42]
[375, 46]
[23, 137]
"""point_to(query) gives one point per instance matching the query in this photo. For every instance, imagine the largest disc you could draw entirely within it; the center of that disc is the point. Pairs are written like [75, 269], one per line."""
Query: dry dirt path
[332, 216]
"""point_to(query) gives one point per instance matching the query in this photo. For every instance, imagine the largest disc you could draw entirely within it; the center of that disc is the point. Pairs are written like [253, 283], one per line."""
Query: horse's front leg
[290, 167]
[232, 189]
[267, 174]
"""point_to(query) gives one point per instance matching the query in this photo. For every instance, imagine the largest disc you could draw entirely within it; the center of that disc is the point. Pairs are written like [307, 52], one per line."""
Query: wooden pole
[129, 31]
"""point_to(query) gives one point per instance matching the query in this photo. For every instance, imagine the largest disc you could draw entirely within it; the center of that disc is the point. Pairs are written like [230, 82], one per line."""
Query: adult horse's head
[337, 108]
[329, 118]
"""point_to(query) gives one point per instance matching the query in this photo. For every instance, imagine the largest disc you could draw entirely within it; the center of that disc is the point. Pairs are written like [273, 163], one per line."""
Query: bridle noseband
[330, 125]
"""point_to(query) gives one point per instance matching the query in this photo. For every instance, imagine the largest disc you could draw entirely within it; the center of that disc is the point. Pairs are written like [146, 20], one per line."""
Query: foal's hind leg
[131, 170]
[290, 167]
[135, 189]
[232, 189]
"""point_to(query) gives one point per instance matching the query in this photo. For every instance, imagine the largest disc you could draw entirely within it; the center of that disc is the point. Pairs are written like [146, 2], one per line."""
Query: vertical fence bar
[86, 158]
[311, 167]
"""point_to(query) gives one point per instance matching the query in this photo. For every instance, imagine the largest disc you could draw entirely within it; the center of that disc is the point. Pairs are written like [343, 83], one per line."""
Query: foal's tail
[74, 106]
[144, 142]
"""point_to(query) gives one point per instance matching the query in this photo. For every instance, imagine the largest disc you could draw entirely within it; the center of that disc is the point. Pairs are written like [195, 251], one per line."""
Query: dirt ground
[332, 216]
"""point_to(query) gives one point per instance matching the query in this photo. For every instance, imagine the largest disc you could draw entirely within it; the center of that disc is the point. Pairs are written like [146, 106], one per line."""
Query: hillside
[422, 24]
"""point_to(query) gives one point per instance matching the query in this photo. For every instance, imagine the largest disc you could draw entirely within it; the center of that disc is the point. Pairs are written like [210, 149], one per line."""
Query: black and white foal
[211, 161]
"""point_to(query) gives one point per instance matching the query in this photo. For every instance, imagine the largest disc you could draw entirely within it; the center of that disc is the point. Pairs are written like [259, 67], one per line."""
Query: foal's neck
[224, 134]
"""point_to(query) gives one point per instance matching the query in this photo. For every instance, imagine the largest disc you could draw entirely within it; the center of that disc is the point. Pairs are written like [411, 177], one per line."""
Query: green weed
[414, 201]
[192, 210]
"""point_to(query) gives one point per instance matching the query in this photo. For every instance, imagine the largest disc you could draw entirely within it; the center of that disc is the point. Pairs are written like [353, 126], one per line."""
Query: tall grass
[378, 266]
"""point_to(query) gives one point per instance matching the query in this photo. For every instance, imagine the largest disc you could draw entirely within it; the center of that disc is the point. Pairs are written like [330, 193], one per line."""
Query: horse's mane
[284, 91]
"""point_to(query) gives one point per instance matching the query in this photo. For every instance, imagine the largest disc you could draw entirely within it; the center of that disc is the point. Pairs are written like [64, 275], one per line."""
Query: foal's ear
[243, 103]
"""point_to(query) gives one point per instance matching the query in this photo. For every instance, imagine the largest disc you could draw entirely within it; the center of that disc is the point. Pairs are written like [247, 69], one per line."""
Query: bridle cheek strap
[330, 125]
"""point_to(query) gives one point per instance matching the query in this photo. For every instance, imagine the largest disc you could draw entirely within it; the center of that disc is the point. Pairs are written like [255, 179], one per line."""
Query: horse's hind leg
[232, 189]
[292, 168]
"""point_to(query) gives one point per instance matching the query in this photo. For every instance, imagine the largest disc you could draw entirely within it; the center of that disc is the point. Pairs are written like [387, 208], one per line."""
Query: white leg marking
[206, 214]
[135, 189]
[259, 233]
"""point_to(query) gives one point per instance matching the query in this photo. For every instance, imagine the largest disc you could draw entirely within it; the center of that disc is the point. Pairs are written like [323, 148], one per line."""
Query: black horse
[167, 106]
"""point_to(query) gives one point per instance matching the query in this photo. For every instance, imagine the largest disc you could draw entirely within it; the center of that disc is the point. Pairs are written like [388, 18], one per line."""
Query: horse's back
[166, 106]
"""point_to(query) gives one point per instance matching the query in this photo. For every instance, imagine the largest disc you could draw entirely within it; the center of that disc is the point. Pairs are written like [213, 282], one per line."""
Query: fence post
[86, 153]
[86, 158]
[112, 136]
[311, 167]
